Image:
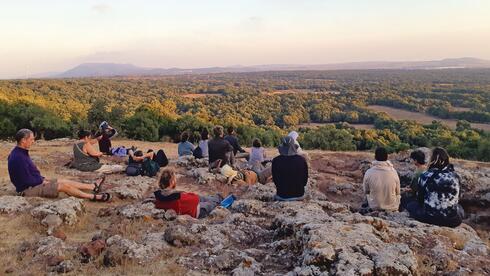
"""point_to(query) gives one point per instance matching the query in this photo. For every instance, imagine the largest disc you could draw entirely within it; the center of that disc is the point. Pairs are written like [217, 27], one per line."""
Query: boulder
[141, 210]
[120, 249]
[67, 209]
[134, 187]
[13, 204]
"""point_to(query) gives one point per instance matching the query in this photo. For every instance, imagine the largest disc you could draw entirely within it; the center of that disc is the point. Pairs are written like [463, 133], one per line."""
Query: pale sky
[53, 36]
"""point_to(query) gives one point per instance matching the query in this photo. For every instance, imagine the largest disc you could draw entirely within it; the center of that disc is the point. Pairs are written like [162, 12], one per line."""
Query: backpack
[134, 169]
[150, 167]
[120, 151]
[161, 159]
[197, 152]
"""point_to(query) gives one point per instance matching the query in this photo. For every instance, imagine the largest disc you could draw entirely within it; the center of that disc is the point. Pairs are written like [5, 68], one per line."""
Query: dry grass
[400, 114]
[200, 95]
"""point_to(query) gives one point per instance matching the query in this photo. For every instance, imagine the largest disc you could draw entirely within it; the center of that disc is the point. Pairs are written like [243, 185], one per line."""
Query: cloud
[251, 24]
[101, 8]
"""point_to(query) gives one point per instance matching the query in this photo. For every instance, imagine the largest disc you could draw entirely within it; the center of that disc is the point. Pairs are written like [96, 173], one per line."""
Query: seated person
[86, 157]
[409, 194]
[293, 134]
[382, 184]
[185, 147]
[289, 172]
[438, 193]
[233, 140]
[246, 176]
[137, 156]
[220, 150]
[257, 154]
[203, 143]
[107, 133]
[28, 180]
[182, 202]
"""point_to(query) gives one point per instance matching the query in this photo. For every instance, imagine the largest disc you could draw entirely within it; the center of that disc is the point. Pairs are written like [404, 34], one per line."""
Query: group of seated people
[433, 194]
[432, 197]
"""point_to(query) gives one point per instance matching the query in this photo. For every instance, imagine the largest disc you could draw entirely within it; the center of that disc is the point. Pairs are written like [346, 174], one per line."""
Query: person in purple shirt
[28, 181]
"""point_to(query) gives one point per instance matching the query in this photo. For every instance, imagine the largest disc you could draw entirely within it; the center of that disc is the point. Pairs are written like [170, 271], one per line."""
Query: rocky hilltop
[324, 235]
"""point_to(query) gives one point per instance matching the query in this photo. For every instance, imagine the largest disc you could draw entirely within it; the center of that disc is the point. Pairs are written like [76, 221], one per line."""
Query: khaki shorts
[49, 189]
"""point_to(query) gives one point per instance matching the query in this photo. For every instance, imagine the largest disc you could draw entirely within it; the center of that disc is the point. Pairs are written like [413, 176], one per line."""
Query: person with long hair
[438, 193]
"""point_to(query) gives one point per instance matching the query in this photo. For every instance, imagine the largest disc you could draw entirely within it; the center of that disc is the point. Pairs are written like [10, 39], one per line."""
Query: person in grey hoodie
[382, 184]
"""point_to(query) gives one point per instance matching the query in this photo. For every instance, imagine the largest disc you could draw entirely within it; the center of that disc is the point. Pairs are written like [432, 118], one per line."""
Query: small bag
[134, 169]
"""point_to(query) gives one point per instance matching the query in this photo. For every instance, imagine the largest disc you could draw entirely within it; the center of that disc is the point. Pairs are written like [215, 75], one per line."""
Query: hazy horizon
[53, 36]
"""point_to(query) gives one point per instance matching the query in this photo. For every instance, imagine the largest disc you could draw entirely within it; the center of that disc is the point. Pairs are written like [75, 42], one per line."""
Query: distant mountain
[114, 69]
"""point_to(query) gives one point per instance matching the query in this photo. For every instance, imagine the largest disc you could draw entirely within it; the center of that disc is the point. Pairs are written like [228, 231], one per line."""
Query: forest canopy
[264, 105]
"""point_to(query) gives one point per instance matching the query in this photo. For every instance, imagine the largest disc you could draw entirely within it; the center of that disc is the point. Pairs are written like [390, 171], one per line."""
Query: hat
[288, 147]
[228, 171]
[293, 134]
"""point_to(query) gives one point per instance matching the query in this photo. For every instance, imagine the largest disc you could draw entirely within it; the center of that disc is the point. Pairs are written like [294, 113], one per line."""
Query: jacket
[382, 186]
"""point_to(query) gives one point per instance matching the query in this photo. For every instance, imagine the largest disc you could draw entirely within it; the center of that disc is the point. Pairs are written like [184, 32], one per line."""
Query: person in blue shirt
[185, 147]
[28, 180]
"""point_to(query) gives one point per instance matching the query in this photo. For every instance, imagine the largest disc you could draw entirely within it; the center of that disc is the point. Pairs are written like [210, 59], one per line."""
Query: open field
[201, 95]
[400, 114]
[316, 125]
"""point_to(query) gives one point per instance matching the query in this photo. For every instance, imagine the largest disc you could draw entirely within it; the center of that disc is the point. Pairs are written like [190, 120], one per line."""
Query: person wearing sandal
[28, 180]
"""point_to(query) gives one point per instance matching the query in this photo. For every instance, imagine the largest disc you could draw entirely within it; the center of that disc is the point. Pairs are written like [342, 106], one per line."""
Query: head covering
[288, 147]
[228, 171]
[293, 134]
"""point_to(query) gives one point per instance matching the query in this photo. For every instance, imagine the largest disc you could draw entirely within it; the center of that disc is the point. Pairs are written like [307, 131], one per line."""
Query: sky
[54, 36]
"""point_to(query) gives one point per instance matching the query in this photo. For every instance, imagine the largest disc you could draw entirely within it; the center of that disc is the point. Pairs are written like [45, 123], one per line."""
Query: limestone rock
[134, 187]
[68, 209]
[13, 204]
[140, 210]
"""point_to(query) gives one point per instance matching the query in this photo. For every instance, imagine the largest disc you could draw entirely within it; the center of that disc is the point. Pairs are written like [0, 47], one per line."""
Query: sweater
[185, 148]
[233, 140]
[219, 148]
[382, 186]
[439, 192]
[290, 175]
[22, 171]
[182, 203]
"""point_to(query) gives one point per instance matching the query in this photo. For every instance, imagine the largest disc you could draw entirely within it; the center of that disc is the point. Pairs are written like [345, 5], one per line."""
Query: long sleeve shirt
[233, 140]
[290, 175]
[22, 171]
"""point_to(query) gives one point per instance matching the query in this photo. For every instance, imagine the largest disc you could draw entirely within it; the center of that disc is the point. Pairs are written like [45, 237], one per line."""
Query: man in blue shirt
[28, 181]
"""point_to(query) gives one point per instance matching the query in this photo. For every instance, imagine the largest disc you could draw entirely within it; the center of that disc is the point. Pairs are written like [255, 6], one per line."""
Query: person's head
[288, 147]
[293, 134]
[84, 135]
[167, 179]
[204, 134]
[138, 153]
[439, 159]
[230, 130]
[418, 157]
[381, 154]
[184, 137]
[256, 143]
[24, 138]
[218, 131]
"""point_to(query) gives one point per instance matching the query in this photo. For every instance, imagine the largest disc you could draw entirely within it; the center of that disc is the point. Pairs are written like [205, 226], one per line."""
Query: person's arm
[239, 148]
[91, 151]
[365, 184]
[114, 132]
[305, 172]
[397, 179]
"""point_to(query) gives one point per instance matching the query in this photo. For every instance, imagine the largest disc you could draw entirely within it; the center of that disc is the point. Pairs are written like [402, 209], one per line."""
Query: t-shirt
[219, 148]
[256, 155]
[203, 144]
[22, 171]
[290, 175]
[233, 140]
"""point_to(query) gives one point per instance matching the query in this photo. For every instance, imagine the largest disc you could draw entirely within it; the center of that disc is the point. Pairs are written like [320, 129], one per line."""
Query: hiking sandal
[105, 197]
[98, 187]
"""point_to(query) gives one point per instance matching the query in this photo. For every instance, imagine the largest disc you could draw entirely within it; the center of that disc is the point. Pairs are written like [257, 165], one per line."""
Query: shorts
[49, 189]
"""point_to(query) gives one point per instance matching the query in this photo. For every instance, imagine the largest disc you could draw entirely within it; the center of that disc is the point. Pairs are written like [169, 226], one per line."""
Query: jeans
[208, 203]
[418, 212]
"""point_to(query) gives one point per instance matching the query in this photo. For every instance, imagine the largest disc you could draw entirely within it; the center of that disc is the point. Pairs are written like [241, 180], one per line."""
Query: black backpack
[161, 159]
[150, 167]
[197, 152]
[134, 169]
